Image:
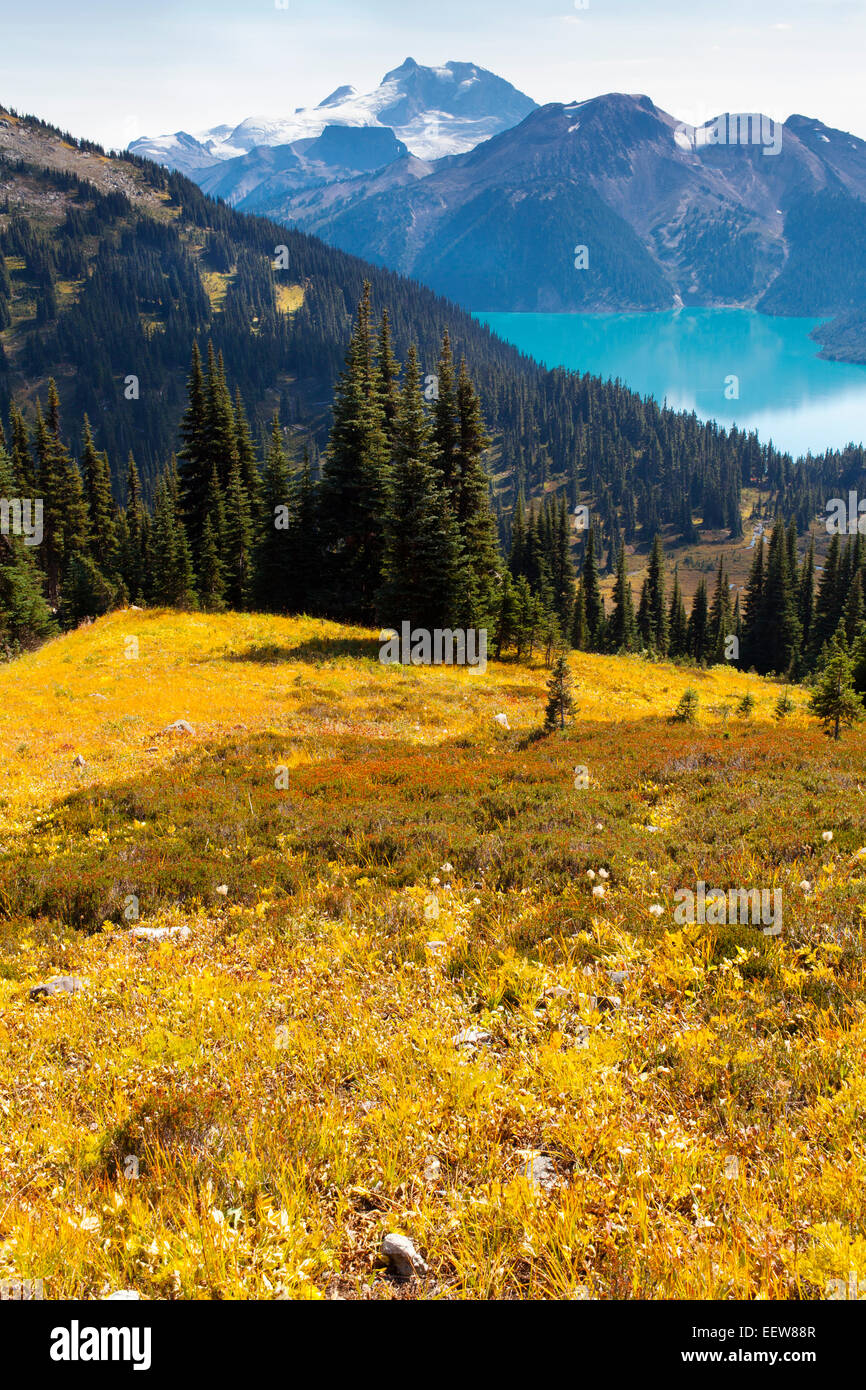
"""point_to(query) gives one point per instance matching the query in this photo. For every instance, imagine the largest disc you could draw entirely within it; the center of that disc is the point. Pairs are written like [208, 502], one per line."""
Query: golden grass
[286, 1084]
[289, 298]
[216, 283]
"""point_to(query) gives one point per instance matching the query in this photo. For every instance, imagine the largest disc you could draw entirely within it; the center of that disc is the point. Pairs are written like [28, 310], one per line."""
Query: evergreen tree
[25, 618]
[508, 622]
[854, 611]
[355, 481]
[781, 626]
[754, 634]
[133, 542]
[806, 596]
[579, 626]
[622, 629]
[446, 429]
[274, 560]
[423, 566]
[560, 702]
[595, 618]
[194, 461]
[470, 495]
[517, 557]
[828, 601]
[100, 503]
[721, 620]
[171, 578]
[677, 621]
[652, 615]
[698, 628]
[389, 376]
[835, 700]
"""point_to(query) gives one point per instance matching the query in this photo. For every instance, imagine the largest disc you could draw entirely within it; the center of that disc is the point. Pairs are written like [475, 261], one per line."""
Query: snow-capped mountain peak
[435, 111]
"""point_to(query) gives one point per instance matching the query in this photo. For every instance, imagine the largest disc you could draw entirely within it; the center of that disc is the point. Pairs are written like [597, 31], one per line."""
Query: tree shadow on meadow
[314, 650]
[280, 813]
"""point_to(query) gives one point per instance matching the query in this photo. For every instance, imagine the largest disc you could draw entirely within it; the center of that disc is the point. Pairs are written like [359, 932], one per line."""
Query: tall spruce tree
[423, 562]
[622, 629]
[595, 617]
[274, 560]
[355, 482]
[677, 620]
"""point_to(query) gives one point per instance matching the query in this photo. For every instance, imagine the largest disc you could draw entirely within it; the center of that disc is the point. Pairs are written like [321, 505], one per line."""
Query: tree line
[397, 524]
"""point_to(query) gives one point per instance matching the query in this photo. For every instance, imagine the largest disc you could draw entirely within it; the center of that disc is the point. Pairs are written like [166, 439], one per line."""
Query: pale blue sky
[112, 70]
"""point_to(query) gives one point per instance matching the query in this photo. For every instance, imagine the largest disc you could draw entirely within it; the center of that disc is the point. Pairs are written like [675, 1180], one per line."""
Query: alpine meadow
[433, 796]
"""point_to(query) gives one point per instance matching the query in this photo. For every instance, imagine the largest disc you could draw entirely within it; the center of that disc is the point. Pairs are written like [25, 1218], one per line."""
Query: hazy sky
[112, 71]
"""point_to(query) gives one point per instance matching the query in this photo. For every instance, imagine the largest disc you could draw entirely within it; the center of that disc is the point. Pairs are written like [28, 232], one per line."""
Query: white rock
[502, 721]
[402, 1256]
[60, 984]
[432, 1169]
[471, 1037]
[124, 1295]
[539, 1169]
[180, 726]
[617, 977]
[161, 933]
[78, 761]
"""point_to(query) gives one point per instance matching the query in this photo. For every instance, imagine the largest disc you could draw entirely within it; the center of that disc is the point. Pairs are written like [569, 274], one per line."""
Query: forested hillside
[163, 485]
[112, 267]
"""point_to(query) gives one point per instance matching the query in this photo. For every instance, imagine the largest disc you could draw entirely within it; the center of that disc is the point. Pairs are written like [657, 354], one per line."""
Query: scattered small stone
[617, 977]
[556, 992]
[609, 1003]
[540, 1171]
[60, 984]
[180, 726]
[97, 695]
[432, 1170]
[125, 1295]
[161, 933]
[502, 721]
[403, 1257]
[472, 1037]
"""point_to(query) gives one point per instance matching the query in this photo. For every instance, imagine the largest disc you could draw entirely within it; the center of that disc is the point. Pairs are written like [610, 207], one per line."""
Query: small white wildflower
[598, 891]
[827, 835]
[656, 909]
[447, 868]
[805, 885]
[603, 873]
[476, 902]
[223, 890]
[598, 825]
[435, 882]
[590, 873]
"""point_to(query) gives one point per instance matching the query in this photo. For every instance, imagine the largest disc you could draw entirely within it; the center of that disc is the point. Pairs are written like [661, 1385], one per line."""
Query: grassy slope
[287, 1079]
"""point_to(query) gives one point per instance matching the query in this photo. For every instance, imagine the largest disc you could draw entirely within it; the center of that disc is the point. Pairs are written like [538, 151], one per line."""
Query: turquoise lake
[685, 357]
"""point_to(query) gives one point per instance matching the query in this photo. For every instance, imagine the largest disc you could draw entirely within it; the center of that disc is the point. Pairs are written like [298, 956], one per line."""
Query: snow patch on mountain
[434, 111]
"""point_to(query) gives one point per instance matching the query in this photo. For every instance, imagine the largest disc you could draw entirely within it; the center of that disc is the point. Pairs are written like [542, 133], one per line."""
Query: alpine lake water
[735, 366]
